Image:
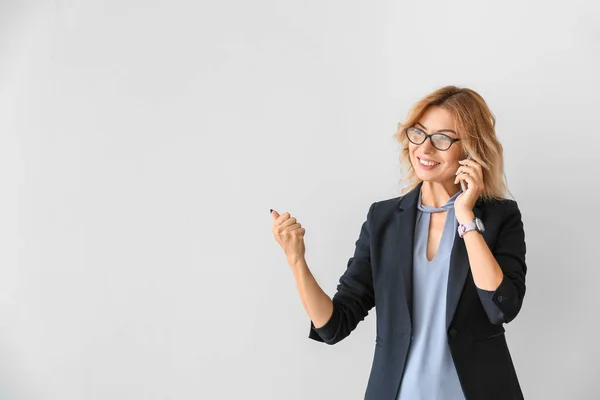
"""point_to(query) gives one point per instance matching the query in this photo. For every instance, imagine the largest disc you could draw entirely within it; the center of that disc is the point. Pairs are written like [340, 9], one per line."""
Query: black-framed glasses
[438, 140]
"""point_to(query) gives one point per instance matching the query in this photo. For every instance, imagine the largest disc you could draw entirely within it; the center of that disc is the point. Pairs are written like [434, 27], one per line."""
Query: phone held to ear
[463, 184]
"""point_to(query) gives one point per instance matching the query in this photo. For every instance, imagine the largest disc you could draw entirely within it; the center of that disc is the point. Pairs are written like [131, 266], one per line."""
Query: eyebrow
[441, 130]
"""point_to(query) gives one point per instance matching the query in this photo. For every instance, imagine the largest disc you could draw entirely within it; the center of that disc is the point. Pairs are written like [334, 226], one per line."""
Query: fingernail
[270, 211]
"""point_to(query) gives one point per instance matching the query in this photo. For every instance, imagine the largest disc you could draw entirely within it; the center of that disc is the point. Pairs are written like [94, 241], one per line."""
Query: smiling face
[445, 163]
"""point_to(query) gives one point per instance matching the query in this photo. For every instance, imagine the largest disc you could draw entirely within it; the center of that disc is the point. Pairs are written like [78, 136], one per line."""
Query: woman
[444, 267]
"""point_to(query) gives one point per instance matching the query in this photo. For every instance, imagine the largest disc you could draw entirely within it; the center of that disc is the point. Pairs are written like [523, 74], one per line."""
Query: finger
[462, 176]
[469, 162]
[472, 164]
[471, 171]
[476, 171]
[287, 227]
[294, 227]
[288, 222]
[461, 171]
[471, 181]
[296, 232]
[275, 214]
[282, 217]
[291, 229]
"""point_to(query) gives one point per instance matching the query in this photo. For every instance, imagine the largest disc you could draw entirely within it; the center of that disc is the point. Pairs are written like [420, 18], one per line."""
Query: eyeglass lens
[439, 141]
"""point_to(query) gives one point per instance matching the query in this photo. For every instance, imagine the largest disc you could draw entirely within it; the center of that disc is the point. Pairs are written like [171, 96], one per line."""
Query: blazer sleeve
[495, 315]
[510, 254]
[355, 294]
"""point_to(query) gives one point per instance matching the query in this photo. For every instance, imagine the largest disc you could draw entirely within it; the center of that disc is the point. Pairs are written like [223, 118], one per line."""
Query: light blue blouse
[429, 372]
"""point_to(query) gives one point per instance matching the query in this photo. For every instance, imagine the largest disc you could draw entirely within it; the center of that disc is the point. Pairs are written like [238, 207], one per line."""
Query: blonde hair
[475, 126]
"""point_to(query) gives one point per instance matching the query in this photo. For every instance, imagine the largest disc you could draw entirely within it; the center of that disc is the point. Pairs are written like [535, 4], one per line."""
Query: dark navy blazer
[380, 274]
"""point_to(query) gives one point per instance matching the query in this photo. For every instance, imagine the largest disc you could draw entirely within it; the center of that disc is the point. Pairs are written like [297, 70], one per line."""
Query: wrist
[299, 269]
[464, 217]
[296, 261]
[470, 225]
[473, 230]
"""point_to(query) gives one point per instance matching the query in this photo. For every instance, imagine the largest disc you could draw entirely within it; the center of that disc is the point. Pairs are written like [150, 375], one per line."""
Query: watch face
[479, 224]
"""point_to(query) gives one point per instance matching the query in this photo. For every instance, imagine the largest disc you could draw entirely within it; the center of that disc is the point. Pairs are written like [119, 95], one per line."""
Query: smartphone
[463, 184]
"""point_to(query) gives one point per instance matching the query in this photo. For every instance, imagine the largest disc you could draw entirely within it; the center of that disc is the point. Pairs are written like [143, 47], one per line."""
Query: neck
[436, 194]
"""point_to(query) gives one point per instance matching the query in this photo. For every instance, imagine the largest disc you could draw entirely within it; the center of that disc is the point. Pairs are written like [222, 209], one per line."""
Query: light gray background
[143, 143]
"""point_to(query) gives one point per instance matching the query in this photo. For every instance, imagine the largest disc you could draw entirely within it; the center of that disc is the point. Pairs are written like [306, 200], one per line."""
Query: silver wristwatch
[476, 224]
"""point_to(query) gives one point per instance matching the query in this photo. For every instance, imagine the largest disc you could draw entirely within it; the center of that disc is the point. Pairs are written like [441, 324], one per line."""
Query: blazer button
[453, 332]
[500, 299]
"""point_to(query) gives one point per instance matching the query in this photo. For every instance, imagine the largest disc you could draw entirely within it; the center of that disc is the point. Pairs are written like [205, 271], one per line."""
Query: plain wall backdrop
[143, 143]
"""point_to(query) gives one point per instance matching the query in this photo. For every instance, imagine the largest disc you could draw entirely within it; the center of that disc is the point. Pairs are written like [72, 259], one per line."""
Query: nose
[428, 146]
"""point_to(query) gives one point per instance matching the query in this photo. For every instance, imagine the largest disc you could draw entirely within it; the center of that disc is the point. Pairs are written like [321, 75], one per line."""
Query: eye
[442, 142]
[439, 136]
[415, 135]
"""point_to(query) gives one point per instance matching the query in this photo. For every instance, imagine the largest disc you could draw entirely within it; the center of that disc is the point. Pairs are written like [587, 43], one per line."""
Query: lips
[424, 159]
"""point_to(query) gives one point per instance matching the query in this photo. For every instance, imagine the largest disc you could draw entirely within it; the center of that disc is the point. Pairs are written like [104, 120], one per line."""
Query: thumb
[274, 213]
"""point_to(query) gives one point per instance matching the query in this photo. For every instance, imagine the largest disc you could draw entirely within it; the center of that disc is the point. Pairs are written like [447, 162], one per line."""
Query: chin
[433, 179]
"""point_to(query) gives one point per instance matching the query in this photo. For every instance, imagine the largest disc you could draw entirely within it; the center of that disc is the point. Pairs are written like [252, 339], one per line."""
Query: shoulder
[498, 206]
[500, 211]
[386, 205]
[383, 209]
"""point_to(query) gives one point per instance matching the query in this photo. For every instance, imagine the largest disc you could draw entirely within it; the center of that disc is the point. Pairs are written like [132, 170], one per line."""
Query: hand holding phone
[463, 184]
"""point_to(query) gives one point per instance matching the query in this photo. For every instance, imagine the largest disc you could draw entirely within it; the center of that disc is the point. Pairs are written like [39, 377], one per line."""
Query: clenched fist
[289, 234]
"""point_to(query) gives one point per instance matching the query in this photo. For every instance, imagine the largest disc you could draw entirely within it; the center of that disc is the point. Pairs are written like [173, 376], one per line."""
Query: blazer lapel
[459, 269]
[406, 218]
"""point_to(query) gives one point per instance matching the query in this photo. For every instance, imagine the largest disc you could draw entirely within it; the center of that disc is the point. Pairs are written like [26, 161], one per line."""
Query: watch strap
[466, 227]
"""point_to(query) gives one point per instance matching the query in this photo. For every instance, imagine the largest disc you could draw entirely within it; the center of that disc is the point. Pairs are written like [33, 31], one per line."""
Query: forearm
[487, 274]
[316, 302]
[486, 271]
[504, 270]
